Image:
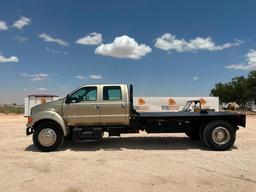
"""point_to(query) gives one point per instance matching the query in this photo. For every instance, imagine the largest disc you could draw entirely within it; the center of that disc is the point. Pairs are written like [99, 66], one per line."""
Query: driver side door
[84, 107]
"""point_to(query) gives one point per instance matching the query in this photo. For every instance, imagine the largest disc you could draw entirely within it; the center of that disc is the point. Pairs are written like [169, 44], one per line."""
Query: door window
[112, 93]
[84, 94]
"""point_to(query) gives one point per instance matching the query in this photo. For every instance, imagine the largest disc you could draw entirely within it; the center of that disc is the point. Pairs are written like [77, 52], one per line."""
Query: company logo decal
[142, 108]
[141, 101]
[202, 101]
[43, 100]
[171, 101]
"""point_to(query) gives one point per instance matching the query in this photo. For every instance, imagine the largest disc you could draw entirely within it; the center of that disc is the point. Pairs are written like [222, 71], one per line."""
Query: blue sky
[164, 48]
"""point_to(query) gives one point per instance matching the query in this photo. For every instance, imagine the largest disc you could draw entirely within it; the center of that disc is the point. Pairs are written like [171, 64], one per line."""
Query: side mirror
[68, 99]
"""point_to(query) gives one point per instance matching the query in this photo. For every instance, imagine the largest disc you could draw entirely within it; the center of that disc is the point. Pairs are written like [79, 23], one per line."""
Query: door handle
[97, 106]
[122, 106]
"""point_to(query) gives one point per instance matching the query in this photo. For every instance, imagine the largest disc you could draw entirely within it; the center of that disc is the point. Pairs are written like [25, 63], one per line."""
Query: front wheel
[48, 136]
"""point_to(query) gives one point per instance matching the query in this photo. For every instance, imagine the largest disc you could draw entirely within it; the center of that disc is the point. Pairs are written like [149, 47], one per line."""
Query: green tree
[252, 86]
[241, 94]
[241, 90]
[224, 92]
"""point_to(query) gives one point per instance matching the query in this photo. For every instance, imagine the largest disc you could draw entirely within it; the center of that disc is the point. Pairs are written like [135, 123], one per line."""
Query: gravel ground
[157, 162]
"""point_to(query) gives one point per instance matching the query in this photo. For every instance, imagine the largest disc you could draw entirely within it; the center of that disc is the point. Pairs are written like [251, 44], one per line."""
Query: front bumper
[29, 130]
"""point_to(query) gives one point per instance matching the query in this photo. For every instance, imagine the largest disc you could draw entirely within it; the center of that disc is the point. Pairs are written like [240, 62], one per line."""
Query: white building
[33, 100]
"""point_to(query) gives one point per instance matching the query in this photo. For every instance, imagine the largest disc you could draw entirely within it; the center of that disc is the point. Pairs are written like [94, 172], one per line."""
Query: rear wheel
[48, 136]
[218, 135]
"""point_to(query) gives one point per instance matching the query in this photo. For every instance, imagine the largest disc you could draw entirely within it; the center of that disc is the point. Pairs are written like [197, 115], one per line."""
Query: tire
[193, 134]
[48, 136]
[218, 135]
[204, 143]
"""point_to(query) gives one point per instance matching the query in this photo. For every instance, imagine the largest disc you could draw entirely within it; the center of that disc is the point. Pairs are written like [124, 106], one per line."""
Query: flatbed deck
[182, 114]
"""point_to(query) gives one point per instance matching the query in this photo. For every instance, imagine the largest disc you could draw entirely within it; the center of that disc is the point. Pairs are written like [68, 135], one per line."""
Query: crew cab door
[114, 105]
[84, 108]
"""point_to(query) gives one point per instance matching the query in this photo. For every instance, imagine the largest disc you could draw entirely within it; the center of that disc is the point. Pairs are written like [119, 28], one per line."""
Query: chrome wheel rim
[47, 137]
[220, 135]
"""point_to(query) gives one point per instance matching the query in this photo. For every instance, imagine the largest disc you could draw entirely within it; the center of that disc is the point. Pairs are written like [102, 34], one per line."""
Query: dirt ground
[156, 162]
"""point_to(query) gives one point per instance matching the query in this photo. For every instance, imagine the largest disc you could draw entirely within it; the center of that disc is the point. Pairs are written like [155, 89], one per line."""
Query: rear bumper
[29, 130]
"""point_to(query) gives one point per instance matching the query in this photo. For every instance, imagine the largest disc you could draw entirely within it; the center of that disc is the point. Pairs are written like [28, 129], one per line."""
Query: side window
[84, 94]
[112, 93]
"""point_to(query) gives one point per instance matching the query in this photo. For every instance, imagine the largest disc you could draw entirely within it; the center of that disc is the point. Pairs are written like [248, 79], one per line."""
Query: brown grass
[11, 109]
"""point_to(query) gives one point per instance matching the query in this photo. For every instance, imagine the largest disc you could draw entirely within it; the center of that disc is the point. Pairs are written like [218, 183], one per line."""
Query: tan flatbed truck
[89, 111]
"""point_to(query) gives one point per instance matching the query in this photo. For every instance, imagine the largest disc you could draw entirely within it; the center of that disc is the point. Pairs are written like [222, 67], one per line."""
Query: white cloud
[37, 77]
[90, 76]
[249, 64]
[3, 25]
[195, 78]
[123, 47]
[41, 89]
[238, 66]
[21, 39]
[48, 38]
[52, 50]
[169, 42]
[22, 22]
[96, 76]
[55, 51]
[81, 77]
[4, 59]
[91, 39]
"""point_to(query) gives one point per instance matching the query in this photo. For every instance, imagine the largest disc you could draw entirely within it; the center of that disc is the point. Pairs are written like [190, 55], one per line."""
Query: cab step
[86, 133]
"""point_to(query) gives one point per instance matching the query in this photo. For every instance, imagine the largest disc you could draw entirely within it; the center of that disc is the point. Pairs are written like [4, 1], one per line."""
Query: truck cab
[97, 105]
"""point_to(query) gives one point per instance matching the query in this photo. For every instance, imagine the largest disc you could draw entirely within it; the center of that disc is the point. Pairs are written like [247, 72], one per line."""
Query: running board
[86, 133]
